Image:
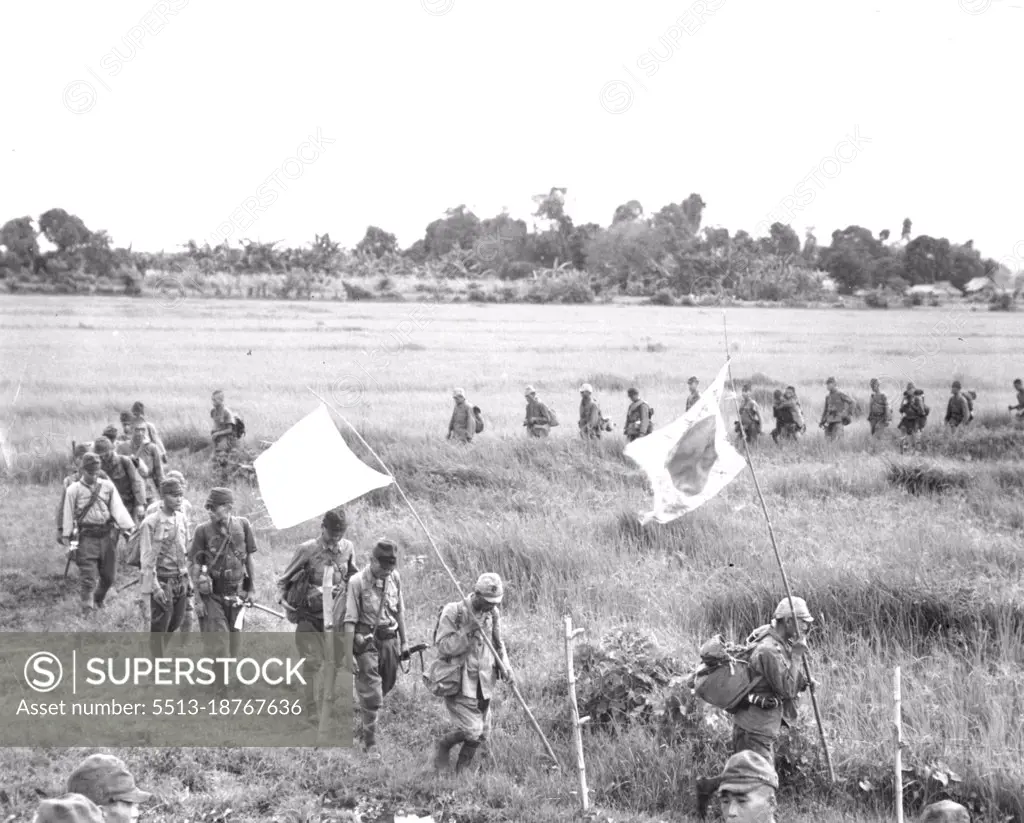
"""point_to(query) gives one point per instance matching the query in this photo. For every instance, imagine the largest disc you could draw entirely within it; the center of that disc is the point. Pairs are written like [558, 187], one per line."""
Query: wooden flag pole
[487, 641]
[898, 742]
[577, 721]
[778, 557]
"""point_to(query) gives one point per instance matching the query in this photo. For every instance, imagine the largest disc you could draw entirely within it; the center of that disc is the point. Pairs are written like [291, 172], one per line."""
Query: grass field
[930, 582]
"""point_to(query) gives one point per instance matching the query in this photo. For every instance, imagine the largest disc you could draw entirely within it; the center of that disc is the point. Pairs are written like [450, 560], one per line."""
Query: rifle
[238, 601]
[72, 548]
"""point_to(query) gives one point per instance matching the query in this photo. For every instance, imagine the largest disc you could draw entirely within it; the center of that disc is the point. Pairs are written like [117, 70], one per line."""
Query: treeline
[664, 255]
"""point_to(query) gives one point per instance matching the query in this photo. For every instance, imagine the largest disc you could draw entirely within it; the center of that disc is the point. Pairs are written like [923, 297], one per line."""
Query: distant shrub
[353, 291]
[663, 297]
[1001, 302]
[876, 300]
[911, 300]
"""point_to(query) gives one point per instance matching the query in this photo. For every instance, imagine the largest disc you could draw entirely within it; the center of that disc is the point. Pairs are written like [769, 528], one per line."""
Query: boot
[466, 754]
[704, 788]
[443, 750]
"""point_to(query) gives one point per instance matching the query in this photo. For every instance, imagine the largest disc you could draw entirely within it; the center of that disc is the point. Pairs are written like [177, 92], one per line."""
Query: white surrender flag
[310, 469]
[690, 460]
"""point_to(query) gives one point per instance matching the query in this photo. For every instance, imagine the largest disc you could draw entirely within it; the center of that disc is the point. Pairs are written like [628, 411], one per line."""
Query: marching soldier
[590, 414]
[838, 411]
[121, 446]
[638, 417]
[694, 395]
[913, 410]
[462, 426]
[223, 435]
[148, 457]
[958, 409]
[163, 547]
[80, 451]
[125, 477]
[221, 568]
[879, 413]
[186, 509]
[459, 637]
[124, 439]
[750, 416]
[778, 658]
[299, 592]
[1018, 386]
[375, 620]
[92, 509]
[139, 414]
[538, 417]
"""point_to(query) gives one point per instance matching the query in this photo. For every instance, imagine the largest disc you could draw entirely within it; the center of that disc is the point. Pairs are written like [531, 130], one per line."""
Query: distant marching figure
[958, 408]
[750, 416]
[462, 426]
[638, 417]
[879, 413]
[223, 435]
[538, 416]
[590, 414]
[838, 411]
[694, 395]
[914, 411]
[1018, 386]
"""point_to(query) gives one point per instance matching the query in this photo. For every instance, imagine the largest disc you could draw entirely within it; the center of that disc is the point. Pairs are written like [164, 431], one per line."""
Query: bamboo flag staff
[778, 558]
[577, 721]
[327, 701]
[898, 742]
[487, 641]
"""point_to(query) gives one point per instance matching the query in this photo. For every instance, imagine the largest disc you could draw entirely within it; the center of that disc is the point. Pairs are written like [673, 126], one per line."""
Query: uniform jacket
[314, 557]
[590, 416]
[837, 406]
[457, 637]
[228, 570]
[150, 457]
[126, 479]
[108, 507]
[957, 410]
[362, 602]
[537, 414]
[771, 659]
[878, 411]
[163, 544]
[463, 424]
[691, 399]
[222, 418]
[913, 405]
[638, 419]
[750, 414]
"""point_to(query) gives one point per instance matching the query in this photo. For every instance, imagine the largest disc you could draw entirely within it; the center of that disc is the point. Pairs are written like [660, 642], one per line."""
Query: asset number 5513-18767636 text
[226, 706]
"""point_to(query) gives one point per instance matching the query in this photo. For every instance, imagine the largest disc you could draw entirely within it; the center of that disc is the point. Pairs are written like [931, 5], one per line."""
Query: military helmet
[784, 610]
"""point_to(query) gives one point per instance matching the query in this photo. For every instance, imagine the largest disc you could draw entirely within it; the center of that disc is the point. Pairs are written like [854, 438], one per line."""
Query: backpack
[970, 404]
[238, 424]
[724, 679]
[133, 548]
[443, 678]
[296, 592]
[552, 417]
[478, 416]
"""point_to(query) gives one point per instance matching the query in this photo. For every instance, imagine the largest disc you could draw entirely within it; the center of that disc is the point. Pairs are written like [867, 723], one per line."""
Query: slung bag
[443, 678]
[724, 678]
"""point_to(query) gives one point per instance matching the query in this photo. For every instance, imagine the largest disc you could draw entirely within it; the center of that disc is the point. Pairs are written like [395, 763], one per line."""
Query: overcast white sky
[440, 102]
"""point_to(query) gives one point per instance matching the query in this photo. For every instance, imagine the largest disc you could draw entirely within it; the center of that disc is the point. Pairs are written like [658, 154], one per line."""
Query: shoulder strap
[92, 501]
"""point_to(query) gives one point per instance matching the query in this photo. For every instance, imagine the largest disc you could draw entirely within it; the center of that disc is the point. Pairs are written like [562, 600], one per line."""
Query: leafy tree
[693, 207]
[377, 242]
[66, 231]
[965, 264]
[783, 240]
[883, 235]
[627, 253]
[19, 236]
[928, 260]
[458, 229]
[851, 257]
[628, 212]
[905, 233]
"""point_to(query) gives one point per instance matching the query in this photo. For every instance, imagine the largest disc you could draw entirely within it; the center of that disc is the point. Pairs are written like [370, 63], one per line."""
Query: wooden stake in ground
[778, 557]
[487, 641]
[898, 741]
[327, 699]
[577, 721]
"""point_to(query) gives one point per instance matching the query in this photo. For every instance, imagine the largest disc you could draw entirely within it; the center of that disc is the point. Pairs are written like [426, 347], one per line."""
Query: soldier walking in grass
[146, 455]
[879, 413]
[186, 509]
[79, 452]
[163, 547]
[459, 638]
[375, 620]
[125, 477]
[223, 435]
[694, 395]
[958, 408]
[750, 416]
[914, 412]
[462, 425]
[123, 441]
[92, 510]
[300, 593]
[590, 414]
[1018, 386]
[838, 411]
[538, 416]
[221, 569]
[778, 659]
[638, 417]
[139, 415]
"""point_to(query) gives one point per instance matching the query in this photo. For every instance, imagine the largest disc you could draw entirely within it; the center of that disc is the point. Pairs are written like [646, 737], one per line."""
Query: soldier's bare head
[874, 383]
[218, 397]
[138, 409]
[171, 494]
[754, 806]
[1018, 383]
